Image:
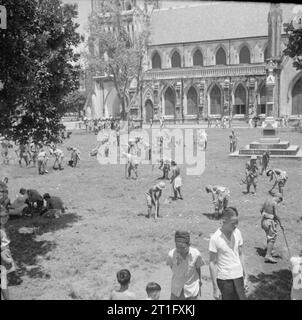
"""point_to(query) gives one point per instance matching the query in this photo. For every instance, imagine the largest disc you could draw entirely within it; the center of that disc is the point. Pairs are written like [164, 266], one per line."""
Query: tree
[38, 68]
[294, 45]
[116, 51]
[75, 102]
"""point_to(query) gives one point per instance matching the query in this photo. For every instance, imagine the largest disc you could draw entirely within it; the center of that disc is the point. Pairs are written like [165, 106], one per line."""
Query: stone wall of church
[232, 48]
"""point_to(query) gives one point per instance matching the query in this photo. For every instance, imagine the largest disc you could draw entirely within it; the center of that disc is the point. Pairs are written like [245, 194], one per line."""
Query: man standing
[220, 196]
[269, 224]
[152, 197]
[251, 172]
[176, 181]
[59, 156]
[265, 161]
[185, 263]
[42, 161]
[227, 265]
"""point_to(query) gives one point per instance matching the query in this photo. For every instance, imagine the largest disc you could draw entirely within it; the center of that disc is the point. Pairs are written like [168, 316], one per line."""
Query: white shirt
[228, 262]
[184, 272]
[296, 293]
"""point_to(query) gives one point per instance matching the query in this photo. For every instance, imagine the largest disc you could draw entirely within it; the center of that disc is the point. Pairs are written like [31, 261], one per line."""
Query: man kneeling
[54, 206]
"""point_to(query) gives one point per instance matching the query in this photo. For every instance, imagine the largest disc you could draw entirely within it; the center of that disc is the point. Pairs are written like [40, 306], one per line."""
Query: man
[23, 154]
[75, 156]
[4, 152]
[220, 196]
[34, 200]
[233, 141]
[176, 181]
[203, 139]
[265, 161]
[165, 166]
[19, 206]
[54, 206]
[152, 197]
[227, 267]
[185, 263]
[269, 224]
[4, 199]
[59, 156]
[42, 161]
[280, 177]
[251, 173]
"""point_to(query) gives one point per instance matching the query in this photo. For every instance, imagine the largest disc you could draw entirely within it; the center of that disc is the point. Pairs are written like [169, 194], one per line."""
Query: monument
[269, 142]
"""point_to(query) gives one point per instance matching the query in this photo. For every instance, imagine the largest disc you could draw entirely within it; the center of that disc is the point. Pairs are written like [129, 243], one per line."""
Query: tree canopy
[294, 46]
[117, 50]
[38, 68]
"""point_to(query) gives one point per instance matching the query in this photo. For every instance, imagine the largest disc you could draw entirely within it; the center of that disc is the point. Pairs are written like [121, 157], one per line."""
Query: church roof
[212, 21]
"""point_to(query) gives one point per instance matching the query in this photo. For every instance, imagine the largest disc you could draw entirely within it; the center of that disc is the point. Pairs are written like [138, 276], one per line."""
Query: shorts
[150, 203]
[177, 182]
[270, 228]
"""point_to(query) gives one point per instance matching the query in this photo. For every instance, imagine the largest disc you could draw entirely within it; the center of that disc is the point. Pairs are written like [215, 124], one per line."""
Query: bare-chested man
[251, 172]
[269, 224]
[280, 177]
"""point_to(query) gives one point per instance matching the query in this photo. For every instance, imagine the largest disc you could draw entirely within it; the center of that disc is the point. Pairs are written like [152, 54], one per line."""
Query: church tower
[274, 31]
[273, 60]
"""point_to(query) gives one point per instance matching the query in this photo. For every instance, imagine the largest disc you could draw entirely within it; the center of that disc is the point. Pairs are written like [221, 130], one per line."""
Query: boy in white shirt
[296, 292]
[227, 266]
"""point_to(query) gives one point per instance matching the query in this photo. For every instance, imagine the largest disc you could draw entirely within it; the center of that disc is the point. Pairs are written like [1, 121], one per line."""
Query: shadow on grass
[210, 216]
[27, 250]
[261, 251]
[274, 286]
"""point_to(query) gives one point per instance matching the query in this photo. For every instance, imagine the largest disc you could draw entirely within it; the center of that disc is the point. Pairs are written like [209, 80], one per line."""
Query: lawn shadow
[27, 250]
[274, 286]
[261, 252]
[210, 216]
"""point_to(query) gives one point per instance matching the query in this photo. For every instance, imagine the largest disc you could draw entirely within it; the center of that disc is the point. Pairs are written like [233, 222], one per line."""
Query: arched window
[240, 100]
[221, 56]
[169, 102]
[156, 61]
[176, 60]
[266, 54]
[197, 58]
[215, 100]
[149, 110]
[244, 55]
[297, 98]
[192, 101]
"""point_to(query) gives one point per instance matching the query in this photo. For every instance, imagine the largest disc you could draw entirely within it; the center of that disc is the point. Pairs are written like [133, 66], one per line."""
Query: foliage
[116, 51]
[294, 46]
[38, 68]
[75, 102]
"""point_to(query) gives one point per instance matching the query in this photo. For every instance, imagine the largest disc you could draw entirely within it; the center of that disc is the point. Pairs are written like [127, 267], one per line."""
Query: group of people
[28, 203]
[97, 125]
[36, 154]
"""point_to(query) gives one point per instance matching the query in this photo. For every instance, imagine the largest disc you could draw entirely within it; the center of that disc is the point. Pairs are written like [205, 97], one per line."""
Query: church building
[214, 58]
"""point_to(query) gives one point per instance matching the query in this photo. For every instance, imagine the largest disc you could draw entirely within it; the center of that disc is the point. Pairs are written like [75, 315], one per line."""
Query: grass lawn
[104, 230]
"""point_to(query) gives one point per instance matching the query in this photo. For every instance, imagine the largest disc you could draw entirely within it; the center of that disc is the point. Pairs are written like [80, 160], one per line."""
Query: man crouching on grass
[152, 197]
[227, 266]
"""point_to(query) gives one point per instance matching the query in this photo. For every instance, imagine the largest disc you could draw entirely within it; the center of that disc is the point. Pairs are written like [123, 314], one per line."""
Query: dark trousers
[232, 289]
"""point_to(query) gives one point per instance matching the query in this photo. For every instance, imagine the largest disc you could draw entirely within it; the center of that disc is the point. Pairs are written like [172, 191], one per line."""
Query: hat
[208, 188]
[253, 157]
[161, 185]
[46, 195]
[182, 236]
[269, 172]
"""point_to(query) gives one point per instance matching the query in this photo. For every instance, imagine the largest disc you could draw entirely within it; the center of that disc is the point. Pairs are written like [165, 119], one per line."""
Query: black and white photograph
[150, 150]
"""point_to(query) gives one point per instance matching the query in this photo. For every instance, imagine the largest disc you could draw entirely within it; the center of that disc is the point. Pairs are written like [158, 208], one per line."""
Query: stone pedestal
[270, 142]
